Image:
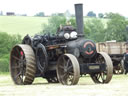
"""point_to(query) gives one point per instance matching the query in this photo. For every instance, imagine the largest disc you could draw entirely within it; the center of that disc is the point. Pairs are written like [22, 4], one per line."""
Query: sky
[31, 7]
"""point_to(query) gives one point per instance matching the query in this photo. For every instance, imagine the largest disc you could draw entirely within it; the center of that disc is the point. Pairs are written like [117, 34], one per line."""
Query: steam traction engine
[60, 58]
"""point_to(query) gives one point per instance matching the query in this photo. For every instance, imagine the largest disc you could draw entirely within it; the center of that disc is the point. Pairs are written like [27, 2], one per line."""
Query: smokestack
[79, 18]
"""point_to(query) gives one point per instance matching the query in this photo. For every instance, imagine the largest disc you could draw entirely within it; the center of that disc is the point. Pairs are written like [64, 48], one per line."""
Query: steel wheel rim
[19, 66]
[22, 64]
[68, 72]
[105, 76]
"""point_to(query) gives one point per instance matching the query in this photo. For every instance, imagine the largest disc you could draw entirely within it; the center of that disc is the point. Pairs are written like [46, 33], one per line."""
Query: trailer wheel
[119, 69]
[22, 64]
[105, 76]
[68, 71]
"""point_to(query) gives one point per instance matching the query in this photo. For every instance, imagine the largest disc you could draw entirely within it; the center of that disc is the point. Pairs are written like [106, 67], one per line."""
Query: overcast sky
[52, 6]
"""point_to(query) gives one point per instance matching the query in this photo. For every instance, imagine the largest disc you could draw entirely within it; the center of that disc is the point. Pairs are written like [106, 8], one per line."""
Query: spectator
[126, 61]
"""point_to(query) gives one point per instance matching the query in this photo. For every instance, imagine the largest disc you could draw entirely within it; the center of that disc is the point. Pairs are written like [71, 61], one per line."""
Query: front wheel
[68, 71]
[105, 76]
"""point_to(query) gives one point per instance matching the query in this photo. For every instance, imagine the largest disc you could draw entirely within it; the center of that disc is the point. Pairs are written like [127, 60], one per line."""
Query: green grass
[24, 25]
[85, 87]
[21, 24]
[6, 79]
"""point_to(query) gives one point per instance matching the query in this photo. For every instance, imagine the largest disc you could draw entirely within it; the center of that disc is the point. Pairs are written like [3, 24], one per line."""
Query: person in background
[126, 61]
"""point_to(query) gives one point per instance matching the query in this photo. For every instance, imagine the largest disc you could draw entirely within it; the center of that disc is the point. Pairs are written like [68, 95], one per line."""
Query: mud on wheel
[105, 76]
[68, 71]
[22, 64]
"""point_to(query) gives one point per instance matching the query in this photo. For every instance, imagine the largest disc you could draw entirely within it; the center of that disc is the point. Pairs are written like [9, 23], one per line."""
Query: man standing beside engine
[126, 61]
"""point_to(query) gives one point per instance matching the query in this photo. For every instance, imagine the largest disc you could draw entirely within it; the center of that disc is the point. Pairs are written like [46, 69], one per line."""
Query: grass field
[117, 87]
[21, 24]
[26, 25]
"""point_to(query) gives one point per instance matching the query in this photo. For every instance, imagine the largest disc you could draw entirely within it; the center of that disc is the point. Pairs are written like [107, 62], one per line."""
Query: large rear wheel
[22, 64]
[68, 71]
[105, 76]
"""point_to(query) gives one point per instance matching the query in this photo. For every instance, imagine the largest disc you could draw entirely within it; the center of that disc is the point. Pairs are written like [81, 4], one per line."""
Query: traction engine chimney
[79, 18]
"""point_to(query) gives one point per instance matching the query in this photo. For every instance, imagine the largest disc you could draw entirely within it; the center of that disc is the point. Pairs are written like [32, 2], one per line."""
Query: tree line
[114, 27]
[6, 43]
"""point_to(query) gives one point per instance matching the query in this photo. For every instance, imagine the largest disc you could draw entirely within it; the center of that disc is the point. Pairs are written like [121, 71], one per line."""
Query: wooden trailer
[116, 51]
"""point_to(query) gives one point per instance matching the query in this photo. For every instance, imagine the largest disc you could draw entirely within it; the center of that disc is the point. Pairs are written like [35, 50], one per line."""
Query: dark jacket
[126, 61]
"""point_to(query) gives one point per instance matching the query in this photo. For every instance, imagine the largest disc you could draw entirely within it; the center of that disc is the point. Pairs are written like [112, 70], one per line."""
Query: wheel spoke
[16, 57]
[70, 68]
[64, 76]
[17, 50]
[21, 79]
[63, 60]
[18, 75]
[102, 76]
[71, 73]
[60, 66]
[98, 76]
[15, 67]
[68, 62]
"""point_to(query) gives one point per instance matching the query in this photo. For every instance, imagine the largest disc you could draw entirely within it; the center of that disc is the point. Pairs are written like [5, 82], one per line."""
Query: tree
[40, 14]
[116, 27]
[100, 15]
[53, 23]
[91, 14]
[94, 30]
[6, 43]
